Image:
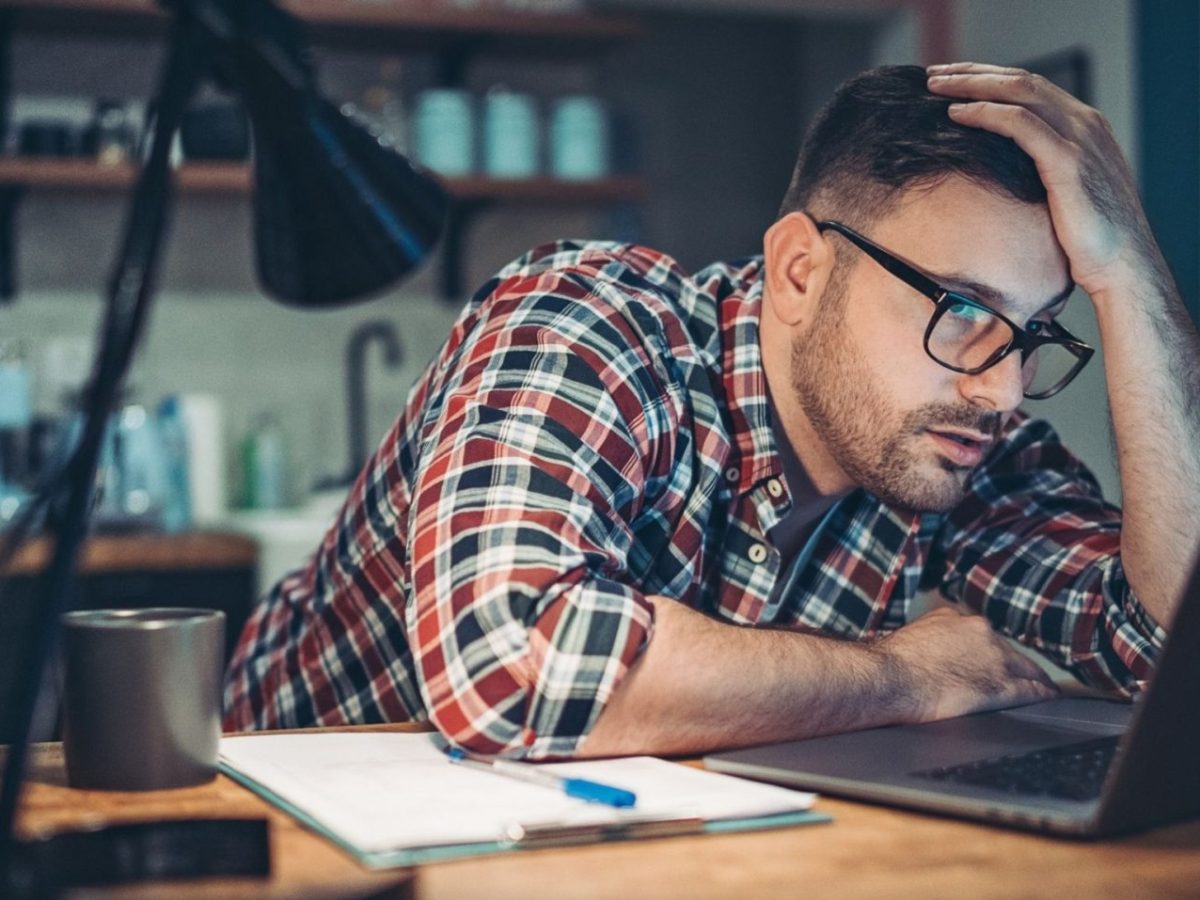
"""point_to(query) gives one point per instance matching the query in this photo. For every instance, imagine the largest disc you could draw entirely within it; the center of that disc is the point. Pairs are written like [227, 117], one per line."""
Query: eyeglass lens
[966, 336]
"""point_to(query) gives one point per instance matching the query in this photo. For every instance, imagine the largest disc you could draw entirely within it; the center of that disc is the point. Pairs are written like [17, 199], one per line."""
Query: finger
[1030, 675]
[1051, 152]
[1015, 693]
[1011, 85]
[1042, 690]
[1034, 92]
[1040, 680]
[967, 67]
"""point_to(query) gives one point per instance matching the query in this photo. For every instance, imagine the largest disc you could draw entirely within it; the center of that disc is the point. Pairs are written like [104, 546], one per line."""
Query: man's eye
[968, 311]
[1038, 327]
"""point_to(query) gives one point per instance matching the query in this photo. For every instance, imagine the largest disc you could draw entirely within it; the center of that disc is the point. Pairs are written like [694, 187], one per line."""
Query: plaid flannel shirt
[594, 430]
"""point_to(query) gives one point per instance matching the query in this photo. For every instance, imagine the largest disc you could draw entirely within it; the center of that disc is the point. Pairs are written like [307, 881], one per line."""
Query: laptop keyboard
[1070, 772]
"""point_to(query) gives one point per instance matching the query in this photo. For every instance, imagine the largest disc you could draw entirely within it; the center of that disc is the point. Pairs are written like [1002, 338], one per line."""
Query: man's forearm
[1152, 361]
[703, 685]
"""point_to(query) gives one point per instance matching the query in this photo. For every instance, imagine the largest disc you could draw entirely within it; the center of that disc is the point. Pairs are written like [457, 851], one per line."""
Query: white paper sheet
[387, 791]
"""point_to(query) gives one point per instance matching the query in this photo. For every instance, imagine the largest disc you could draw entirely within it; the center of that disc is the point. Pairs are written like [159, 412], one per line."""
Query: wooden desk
[867, 852]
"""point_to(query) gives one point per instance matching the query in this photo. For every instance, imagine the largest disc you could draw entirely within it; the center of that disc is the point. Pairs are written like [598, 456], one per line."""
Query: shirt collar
[737, 289]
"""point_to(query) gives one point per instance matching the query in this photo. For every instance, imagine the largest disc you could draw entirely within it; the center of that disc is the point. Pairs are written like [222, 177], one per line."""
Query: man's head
[861, 401]
[882, 133]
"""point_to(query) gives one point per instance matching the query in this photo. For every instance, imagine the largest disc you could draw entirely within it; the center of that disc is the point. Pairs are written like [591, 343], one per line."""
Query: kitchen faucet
[384, 332]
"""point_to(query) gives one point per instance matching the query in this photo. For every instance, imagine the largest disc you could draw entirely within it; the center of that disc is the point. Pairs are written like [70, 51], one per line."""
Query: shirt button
[733, 473]
[758, 553]
[775, 488]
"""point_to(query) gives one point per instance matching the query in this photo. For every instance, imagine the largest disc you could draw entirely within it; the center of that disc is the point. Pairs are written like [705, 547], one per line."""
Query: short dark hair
[883, 132]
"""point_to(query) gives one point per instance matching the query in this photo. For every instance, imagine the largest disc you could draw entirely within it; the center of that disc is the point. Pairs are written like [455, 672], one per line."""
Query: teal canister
[445, 131]
[510, 134]
[579, 138]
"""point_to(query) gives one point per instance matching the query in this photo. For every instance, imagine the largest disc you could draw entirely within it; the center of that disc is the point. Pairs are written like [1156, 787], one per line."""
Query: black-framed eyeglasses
[968, 336]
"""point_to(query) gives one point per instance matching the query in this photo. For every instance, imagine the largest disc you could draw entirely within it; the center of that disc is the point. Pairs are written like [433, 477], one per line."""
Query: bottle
[141, 472]
[16, 418]
[204, 423]
[265, 460]
[383, 107]
[58, 398]
[172, 431]
[113, 134]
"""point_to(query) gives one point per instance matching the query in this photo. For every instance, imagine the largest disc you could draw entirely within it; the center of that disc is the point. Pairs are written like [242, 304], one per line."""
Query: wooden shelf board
[85, 175]
[214, 178]
[551, 191]
[146, 552]
[394, 26]
[234, 178]
[63, 173]
[348, 13]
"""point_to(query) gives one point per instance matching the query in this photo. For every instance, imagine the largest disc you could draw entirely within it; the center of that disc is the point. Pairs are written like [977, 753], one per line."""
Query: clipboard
[374, 795]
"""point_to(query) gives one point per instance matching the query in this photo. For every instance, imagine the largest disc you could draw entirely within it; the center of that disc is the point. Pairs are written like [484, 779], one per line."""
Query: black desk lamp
[338, 216]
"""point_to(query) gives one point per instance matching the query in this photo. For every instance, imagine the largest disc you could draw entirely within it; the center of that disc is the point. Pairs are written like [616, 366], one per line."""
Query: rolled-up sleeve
[523, 619]
[1036, 549]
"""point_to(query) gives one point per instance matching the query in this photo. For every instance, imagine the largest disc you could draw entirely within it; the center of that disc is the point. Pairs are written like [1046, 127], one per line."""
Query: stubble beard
[855, 422]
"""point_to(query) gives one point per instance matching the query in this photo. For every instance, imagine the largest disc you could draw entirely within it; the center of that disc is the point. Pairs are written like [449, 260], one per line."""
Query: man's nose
[1001, 388]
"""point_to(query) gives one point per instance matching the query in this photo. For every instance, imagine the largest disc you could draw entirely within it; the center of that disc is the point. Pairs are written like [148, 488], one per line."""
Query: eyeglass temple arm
[901, 270]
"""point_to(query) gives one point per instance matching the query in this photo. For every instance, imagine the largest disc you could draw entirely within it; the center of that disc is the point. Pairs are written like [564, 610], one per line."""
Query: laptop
[1070, 766]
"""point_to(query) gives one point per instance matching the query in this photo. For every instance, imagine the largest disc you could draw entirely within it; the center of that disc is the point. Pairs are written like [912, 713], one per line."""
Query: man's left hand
[1092, 195]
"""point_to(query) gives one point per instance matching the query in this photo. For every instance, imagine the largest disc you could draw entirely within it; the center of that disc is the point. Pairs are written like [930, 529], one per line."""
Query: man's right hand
[953, 664]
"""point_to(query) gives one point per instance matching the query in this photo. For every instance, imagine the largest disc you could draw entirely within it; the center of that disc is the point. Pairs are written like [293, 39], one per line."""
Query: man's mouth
[964, 448]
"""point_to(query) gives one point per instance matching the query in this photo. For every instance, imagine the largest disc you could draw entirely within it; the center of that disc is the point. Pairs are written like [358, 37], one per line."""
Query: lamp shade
[339, 215]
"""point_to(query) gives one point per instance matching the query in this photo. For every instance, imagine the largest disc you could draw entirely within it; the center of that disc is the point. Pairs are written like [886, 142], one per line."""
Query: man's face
[896, 422]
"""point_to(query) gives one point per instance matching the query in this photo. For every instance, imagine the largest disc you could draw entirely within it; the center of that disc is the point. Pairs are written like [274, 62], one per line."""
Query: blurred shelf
[549, 191]
[147, 553]
[384, 24]
[454, 35]
[234, 178]
[86, 175]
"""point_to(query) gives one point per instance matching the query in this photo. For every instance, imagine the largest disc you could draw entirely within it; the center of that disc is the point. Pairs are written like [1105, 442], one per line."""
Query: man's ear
[796, 262]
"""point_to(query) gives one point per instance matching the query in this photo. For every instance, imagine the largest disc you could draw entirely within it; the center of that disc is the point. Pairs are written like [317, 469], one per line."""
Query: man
[612, 466]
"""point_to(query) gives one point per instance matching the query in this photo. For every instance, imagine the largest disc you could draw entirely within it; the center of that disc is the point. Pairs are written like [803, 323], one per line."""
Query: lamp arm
[252, 38]
[68, 500]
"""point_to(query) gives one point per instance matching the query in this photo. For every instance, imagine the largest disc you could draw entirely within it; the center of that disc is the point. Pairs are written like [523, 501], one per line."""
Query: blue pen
[591, 791]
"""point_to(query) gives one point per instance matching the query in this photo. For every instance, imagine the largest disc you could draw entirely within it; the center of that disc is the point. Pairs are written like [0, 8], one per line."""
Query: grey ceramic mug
[142, 697]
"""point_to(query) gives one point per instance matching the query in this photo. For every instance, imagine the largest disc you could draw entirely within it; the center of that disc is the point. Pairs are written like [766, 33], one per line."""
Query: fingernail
[956, 109]
[939, 67]
[938, 79]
